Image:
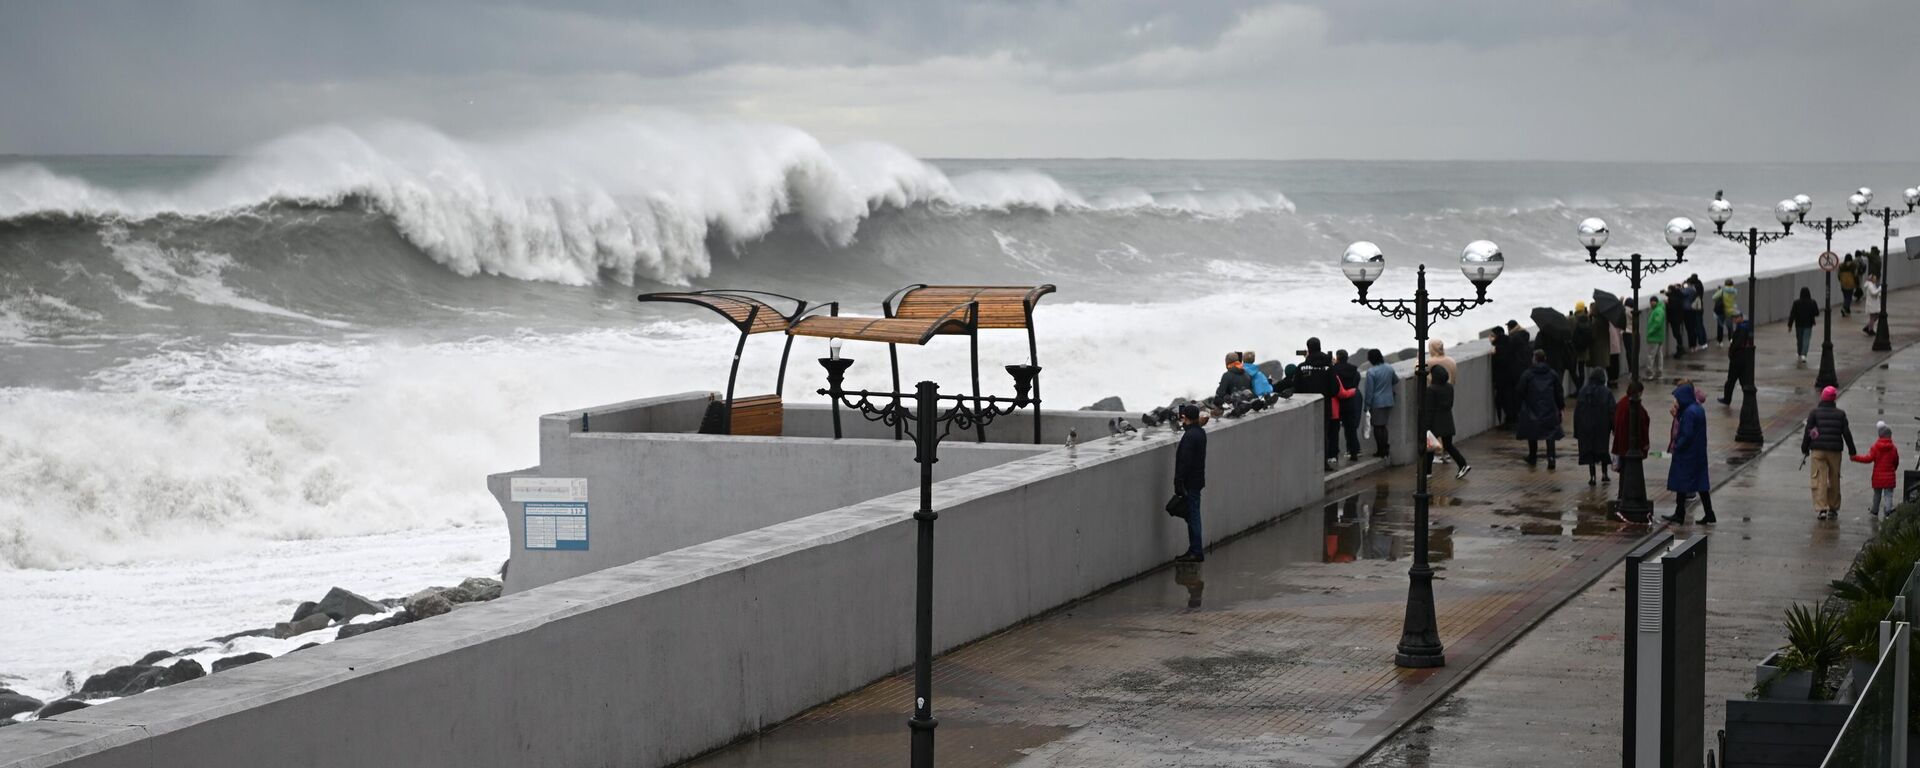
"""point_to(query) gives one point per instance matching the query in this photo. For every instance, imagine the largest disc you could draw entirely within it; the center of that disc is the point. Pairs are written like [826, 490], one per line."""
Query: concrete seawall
[658, 659]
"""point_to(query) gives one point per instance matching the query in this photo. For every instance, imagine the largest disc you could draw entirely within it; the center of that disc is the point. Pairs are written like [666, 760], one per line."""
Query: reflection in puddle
[1188, 575]
[1359, 527]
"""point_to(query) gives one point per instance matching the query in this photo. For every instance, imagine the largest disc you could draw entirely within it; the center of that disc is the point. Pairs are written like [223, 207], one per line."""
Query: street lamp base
[1633, 503]
[1420, 646]
[1749, 430]
[1881, 342]
[1827, 377]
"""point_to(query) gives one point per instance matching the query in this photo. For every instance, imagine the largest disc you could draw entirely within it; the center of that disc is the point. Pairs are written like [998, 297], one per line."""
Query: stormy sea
[230, 383]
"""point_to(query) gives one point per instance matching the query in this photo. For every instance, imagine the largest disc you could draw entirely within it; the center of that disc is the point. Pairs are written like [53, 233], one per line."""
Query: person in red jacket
[1885, 459]
[1629, 412]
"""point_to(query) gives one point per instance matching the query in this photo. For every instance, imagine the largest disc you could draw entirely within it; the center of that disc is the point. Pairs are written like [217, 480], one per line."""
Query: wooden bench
[760, 415]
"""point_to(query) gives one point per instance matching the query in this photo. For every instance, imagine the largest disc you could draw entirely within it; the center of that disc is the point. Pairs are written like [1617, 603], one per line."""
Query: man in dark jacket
[1349, 378]
[1802, 319]
[1190, 476]
[1233, 381]
[1541, 399]
[1316, 378]
[1826, 434]
[1739, 356]
[1502, 350]
[1518, 361]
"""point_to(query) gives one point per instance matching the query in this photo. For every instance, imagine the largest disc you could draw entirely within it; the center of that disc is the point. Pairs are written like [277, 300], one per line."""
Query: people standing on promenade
[1440, 424]
[1262, 386]
[1885, 458]
[1617, 342]
[1348, 379]
[1687, 472]
[1826, 435]
[1593, 426]
[1873, 263]
[1697, 312]
[1802, 318]
[1849, 283]
[1437, 357]
[1517, 364]
[1726, 302]
[1541, 398]
[1316, 377]
[1656, 337]
[1499, 363]
[1870, 292]
[1630, 418]
[1739, 356]
[1232, 381]
[1376, 393]
[1583, 342]
[1190, 477]
[1675, 301]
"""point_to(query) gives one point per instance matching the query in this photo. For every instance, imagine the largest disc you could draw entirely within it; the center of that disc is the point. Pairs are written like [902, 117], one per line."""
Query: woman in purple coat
[1687, 474]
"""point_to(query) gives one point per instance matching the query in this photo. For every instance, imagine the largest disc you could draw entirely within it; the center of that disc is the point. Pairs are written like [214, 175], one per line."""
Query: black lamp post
[1786, 212]
[1882, 341]
[1632, 503]
[930, 426]
[1363, 262]
[1827, 376]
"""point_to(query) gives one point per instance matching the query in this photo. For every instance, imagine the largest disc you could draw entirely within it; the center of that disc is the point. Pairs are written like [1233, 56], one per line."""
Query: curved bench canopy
[1000, 306]
[750, 312]
[955, 320]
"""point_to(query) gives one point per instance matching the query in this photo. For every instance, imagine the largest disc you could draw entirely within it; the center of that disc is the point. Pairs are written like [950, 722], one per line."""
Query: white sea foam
[624, 197]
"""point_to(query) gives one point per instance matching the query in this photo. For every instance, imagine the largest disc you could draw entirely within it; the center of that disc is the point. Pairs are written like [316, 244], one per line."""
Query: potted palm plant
[1816, 645]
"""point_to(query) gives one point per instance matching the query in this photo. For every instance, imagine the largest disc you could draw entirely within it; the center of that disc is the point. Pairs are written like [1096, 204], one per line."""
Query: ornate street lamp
[1363, 262]
[1786, 212]
[1632, 503]
[1882, 340]
[930, 426]
[1804, 205]
[1827, 377]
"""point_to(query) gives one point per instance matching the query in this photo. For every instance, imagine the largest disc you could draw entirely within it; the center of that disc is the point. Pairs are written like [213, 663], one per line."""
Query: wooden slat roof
[737, 306]
[1001, 306]
[886, 330]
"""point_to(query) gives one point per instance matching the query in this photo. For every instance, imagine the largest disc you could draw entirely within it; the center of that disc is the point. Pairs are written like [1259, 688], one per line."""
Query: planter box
[1781, 734]
[1776, 685]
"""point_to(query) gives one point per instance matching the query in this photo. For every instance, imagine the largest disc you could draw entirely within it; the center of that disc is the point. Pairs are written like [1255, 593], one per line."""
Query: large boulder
[224, 639]
[428, 603]
[187, 669]
[304, 610]
[482, 589]
[286, 629]
[222, 665]
[60, 707]
[1109, 403]
[456, 595]
[14, 703]
[154, 677]
[342, 605]
[110, 682]
[152, 658]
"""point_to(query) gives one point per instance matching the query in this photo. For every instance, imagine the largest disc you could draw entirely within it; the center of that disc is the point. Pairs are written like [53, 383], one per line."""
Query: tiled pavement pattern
[1277, 650]
[1559, 688]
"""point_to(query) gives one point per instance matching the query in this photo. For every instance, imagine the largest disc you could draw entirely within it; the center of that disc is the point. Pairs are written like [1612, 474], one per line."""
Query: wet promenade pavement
[1278, 649]
[1560, 686]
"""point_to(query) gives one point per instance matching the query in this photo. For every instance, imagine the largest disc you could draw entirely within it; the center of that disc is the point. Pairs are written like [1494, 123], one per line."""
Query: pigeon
[1119, 425]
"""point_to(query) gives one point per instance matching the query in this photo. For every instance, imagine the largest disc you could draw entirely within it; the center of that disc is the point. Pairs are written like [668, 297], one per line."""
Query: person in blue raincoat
[1687, 474]
[1261, 386]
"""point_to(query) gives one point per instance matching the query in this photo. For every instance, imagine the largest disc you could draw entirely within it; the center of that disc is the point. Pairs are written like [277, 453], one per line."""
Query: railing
[1876, 728]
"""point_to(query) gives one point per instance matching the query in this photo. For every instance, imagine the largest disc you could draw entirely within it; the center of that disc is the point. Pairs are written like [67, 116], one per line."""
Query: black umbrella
[1551, 322]
[1608, 306]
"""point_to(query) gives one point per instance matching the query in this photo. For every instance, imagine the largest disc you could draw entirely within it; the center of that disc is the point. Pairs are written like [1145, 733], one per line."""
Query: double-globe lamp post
[930, 426]
[1786, 212]
[1857, 203]
[1882, 341]
[1363, 262]
[1632, 503]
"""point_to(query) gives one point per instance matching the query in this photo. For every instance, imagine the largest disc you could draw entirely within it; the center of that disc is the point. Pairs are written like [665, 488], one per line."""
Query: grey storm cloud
[1554, 79]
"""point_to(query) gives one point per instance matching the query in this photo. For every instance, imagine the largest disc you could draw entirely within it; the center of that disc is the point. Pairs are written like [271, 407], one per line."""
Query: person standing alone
[1440, 424]
[1656, 337]
[1190, 477]
[1826, 435]
[1739, 357]
[1593, 425]
[1541, 398]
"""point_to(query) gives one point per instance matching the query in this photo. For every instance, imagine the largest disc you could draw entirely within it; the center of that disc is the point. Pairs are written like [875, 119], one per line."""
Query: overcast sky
[1418, 79]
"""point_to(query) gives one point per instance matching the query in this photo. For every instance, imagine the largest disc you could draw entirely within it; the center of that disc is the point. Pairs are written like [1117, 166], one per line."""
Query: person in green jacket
[1656, 337]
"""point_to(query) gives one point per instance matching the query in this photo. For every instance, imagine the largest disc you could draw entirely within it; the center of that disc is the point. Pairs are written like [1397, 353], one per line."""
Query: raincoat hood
[1683, 395]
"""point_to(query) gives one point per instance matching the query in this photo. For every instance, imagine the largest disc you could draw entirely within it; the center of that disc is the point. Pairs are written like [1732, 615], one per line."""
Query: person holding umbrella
[1609, 312]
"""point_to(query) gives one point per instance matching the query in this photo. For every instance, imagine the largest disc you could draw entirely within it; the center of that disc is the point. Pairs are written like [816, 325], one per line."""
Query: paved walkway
[1561, 684]
[1277, 650]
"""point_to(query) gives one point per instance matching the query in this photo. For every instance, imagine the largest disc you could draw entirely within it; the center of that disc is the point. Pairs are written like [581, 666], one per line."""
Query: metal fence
[1875, 734]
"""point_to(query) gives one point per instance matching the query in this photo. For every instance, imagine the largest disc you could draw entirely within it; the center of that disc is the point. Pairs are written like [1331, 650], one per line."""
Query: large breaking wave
[624, 199]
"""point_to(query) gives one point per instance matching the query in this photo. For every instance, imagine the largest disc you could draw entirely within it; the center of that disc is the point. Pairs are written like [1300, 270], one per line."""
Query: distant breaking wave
[620, 199]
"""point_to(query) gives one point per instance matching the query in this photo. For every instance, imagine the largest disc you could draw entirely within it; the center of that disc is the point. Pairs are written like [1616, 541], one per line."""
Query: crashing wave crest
[619, 198]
